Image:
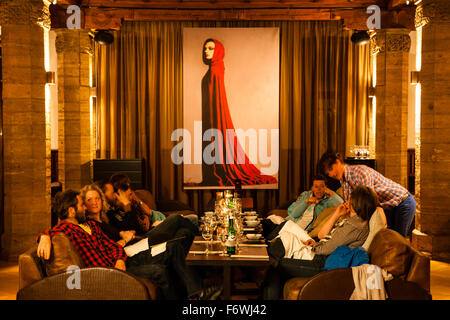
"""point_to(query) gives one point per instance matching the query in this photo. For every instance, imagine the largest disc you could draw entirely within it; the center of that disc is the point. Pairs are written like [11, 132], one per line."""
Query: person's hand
[310, 243]
[127, 235]
[312, 200]
[120, 264]
[329, 192]
[343, 209]
[123, 198]
[44, 247]
[154, 224]
[133, 197]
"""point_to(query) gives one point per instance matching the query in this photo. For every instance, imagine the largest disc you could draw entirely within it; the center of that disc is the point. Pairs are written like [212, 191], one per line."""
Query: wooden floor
[440, 280]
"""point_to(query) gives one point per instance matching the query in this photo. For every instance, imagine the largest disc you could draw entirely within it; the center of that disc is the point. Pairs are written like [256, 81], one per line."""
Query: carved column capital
[377, 44]
[22, 12]
[390, 40]
[432, 11]
[69, 40]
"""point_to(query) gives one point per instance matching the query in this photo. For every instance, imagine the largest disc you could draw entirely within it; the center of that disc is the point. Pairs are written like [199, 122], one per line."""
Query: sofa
[167, 207]
[388, 250]
[48, 280]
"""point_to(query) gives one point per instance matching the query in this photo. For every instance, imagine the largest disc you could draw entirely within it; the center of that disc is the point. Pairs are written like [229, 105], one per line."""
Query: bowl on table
[250, 218]
[253, 236]
[252, 223]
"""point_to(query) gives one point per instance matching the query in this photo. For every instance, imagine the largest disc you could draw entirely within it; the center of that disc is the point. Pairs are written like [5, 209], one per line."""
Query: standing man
[398, 204]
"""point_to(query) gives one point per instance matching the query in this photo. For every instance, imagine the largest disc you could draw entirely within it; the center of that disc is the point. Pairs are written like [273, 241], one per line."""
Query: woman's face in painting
[209, 50]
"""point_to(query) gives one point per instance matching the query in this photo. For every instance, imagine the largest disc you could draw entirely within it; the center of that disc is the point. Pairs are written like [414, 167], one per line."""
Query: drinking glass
[239, 226]
[207, 235]
[222, 235]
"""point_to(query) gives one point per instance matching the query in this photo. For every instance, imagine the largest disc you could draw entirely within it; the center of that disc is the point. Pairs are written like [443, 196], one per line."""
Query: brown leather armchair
[388, 250]
[47, 280]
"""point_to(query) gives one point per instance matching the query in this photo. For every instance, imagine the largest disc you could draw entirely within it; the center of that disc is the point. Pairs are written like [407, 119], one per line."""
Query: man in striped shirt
[398, 204]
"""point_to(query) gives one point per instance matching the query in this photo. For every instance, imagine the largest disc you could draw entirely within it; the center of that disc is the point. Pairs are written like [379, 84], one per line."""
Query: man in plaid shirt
[398, 204]
[96, 249]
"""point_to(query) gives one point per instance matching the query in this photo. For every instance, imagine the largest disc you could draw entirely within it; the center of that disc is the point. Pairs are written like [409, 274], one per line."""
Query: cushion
[390, 251]
[63, 255]
[320, 221]
[147, 197]
[376, 223]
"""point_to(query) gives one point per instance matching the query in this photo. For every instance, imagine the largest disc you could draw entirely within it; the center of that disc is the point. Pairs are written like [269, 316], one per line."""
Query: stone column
[392, 47]
[26, 131]
[73, 49]
[433, 143]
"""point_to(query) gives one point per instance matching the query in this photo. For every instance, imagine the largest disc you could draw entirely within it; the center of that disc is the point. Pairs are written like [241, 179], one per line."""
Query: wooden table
[226, 262]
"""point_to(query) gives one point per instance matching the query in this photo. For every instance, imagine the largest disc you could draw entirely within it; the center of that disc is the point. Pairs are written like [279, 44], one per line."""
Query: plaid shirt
[390, 194]
[95, 249]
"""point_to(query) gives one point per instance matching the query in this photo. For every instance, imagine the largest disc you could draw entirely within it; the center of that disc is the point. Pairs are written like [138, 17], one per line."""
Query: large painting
[230, 108]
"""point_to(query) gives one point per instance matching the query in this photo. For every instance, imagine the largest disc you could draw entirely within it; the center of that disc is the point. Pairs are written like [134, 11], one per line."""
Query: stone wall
[74, 49]
[433, 143]
[392, 47]
[26, 131]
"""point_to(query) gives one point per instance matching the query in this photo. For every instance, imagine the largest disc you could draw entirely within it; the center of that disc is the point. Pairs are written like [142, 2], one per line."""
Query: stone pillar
[74, 49]
[26, 131]
[433, 143]
[392, 47]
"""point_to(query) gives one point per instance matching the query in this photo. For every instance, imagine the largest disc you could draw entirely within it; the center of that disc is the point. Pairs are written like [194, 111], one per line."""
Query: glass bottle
[231, 240]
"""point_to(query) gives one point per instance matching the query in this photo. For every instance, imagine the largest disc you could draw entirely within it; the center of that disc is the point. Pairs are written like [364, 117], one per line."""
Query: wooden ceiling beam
[112, 18]
[392, 4]
[225, 4]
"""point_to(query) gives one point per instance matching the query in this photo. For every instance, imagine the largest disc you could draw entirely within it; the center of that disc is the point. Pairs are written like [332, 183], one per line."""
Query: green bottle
[231, 241]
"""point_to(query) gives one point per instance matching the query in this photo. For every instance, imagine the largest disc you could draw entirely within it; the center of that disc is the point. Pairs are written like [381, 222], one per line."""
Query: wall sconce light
[371, 92]
[360, 38]
[414, 77]
[50, 77]
[93, 92]
[103, 37]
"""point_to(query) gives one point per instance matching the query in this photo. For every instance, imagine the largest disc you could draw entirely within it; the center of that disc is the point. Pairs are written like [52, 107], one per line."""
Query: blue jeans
[401, 217]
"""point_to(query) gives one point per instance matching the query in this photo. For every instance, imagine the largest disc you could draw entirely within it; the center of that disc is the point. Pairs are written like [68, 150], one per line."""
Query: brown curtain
[324, 83]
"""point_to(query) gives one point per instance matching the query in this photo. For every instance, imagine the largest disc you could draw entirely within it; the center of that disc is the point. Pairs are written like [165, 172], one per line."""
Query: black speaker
[133, 168]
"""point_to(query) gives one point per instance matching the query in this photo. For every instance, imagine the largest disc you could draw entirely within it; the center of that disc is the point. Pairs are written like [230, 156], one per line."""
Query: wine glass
[222, 235]
[207, 235]
[239, 226]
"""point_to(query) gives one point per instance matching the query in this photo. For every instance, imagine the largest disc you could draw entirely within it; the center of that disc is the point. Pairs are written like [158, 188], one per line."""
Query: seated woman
[351, 231]
[175, 226]
[96, 208]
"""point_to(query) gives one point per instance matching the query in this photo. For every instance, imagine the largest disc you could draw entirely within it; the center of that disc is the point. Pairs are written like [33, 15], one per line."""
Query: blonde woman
[96, 208]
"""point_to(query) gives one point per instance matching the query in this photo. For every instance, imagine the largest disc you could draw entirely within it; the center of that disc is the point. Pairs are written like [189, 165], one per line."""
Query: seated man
[96, 249]
[307, 208]
[127, 212]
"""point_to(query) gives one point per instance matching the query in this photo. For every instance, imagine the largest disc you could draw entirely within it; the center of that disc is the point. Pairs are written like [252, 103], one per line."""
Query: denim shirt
[297, 208]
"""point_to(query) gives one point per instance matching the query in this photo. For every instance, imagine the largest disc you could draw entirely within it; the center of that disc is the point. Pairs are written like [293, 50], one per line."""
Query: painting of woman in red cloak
[234, 164]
